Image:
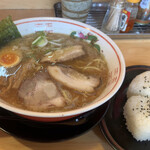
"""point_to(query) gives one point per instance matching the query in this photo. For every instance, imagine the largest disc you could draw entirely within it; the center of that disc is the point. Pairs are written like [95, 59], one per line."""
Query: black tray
[50, 131]
[96, 16]
[113, 125]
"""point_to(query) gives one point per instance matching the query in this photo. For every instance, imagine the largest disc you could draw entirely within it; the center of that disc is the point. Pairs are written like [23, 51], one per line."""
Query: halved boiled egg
[10, 58]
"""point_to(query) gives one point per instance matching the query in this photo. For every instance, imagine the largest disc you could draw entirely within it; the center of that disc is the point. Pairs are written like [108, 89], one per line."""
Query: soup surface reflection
[51, 73]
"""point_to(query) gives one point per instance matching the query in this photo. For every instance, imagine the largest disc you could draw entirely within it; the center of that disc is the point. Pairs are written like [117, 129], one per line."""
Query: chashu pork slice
[64, 54]
[73, 79]
[40, 93]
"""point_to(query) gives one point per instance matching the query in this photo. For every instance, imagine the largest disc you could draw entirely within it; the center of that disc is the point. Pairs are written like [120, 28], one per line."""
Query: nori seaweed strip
[8, 31]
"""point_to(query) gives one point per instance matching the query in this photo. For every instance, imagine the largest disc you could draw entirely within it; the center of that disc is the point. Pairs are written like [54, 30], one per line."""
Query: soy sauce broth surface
[92, 63]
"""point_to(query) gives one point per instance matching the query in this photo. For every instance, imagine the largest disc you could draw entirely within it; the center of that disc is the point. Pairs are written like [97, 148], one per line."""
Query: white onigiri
[137, 115]
[140, 85]
[137, 107]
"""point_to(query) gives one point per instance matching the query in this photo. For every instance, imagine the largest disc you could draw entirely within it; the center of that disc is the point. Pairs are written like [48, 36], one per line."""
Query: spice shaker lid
[133, 1]
[117, 3]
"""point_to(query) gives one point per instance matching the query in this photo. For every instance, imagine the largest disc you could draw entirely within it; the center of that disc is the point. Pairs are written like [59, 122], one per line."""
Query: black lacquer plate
[50, 132]
[113, 124]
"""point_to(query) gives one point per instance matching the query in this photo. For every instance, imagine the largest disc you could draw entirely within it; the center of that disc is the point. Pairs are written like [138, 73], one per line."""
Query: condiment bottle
[112, 19]
[143, 12]
[129, 15]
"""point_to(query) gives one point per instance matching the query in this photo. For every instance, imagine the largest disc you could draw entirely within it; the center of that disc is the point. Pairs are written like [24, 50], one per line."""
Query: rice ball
[137, 115]
[140, 85]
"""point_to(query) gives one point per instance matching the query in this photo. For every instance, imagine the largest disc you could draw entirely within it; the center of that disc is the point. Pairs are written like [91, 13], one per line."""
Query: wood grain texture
[25, 13]
[135, 51]
[31, 4]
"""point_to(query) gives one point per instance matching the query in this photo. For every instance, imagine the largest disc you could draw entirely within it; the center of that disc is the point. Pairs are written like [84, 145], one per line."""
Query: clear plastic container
[129, 15]
[112, 19]
[143, 12]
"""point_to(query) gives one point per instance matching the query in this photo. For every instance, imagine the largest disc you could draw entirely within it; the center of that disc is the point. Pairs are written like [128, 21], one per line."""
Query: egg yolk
[9, 58]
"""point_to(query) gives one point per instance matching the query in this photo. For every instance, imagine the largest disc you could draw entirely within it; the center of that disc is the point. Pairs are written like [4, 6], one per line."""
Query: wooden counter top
[135, 52]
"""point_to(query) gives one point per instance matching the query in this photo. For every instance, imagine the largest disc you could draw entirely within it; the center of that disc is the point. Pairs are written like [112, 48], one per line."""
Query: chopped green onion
[41, 41]
[54, 43]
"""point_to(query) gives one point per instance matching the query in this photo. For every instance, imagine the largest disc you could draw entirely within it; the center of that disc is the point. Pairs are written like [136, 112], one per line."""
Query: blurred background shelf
[96, 16]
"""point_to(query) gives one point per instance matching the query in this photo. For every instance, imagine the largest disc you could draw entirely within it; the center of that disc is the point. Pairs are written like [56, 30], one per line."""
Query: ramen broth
[92, 63]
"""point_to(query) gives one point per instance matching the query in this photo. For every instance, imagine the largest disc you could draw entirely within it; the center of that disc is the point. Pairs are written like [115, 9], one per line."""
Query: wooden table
[136, 52]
